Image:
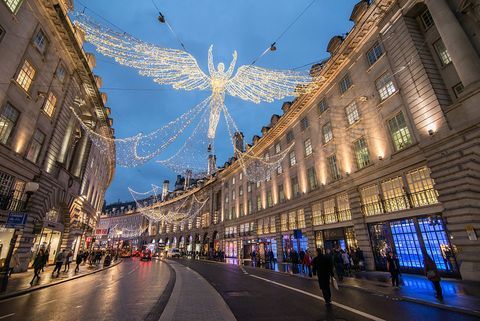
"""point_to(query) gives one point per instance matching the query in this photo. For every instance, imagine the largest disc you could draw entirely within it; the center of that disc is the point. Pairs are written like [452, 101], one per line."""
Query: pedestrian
[38, 265]
[15, 263]
[393, 266]
[346, 262]
[302, 256]
[59, 261]
[361, 259]
[85, 257]
[68, 260]
[338, 263]
[433, 275]
[45, 258]
[78, 260]
[323, 268]
[307, 262]
[295, 261]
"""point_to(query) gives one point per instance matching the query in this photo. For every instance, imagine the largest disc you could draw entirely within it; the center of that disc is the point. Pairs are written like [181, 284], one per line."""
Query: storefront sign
[16, 219]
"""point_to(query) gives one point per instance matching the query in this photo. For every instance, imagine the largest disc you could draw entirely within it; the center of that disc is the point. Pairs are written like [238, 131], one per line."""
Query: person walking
[68, 260]
[346, 262]
[302, 256]
[45, 258]
[59, 261]
[338, 263]
[78, 261]
[393, 266]
[323, 268]
[433, 275]
[307, 263]
[38, 265]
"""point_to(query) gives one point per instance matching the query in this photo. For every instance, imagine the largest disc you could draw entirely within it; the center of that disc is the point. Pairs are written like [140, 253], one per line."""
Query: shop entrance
[49, 240]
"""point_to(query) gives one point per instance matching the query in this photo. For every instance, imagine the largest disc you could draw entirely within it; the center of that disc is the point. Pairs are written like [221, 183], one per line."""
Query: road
[135, 290]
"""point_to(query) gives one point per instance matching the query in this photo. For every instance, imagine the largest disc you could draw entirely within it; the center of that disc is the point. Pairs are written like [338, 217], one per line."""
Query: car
[146, 255]
[173, 253]
[136, 253]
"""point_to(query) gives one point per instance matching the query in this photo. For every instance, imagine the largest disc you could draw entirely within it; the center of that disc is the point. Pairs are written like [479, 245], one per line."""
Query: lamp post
[30, 188]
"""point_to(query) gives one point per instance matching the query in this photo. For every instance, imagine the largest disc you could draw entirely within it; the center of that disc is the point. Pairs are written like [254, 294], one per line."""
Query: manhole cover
[237, 293]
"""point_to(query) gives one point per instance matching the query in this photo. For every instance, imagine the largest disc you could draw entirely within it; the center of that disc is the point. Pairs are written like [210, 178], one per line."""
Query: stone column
[80, 155]
[464, 57]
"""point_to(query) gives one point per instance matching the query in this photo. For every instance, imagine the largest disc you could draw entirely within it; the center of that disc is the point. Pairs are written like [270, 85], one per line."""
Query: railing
[373, 208]
[396, 203]
[423, 198]
[8, 203]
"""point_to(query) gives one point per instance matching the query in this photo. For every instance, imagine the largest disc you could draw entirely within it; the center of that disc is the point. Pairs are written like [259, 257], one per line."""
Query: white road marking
[7, 315]
[363, 314]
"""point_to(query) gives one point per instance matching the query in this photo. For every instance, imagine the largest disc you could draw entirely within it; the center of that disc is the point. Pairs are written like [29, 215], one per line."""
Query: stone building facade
[43, 74]
[385, 152]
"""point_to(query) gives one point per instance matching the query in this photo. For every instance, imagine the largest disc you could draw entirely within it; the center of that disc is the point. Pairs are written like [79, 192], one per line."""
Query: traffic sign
[16, 219]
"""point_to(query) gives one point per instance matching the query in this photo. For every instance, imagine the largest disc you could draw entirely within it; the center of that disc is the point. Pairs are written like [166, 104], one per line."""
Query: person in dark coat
[433, 275]
[78, 260]
[323, 267]
[393, 266]
[45, 259]
[37, 265]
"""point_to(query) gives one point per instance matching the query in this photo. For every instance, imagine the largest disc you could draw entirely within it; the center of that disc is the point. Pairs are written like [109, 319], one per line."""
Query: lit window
[304, 123]
[329, 214]
[233, 181]
[345, 83]
[13, 5]
[421, 187]
[371, 203]
[394, 195]
[292, 220]
[343, 206]
[61, 72]
[273, 227]
[269, 199]
[308, 147]
[361, 153]
[385, 86]
[284, 222]
[281, 193]
[399, 131]
[40, 41]
[249, 207]
[427, 19]
[259, 203]
[260, 227]
[25, 76]
[293, 159]
[278, 148]
[352, 113]
[442, 52]
[317, 218]
[8, 120]
[327, 132]
[301, 218]
[49, 106]
[295, 187]
[240, 176]
[312, 178]
[374, 53]
[249, 187]
[35, 146]
[333, 167]
[322, 105]
[289, 136]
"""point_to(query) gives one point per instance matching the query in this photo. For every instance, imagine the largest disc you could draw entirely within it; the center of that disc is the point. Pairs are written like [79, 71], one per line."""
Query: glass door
[407, 244]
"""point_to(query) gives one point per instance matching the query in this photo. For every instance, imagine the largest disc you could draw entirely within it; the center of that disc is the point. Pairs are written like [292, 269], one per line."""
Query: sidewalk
[193, 298]
[460, 296]
[19, 283]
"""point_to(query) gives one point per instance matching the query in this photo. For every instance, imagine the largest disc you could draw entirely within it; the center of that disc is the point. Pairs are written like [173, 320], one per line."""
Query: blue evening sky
[248, 26]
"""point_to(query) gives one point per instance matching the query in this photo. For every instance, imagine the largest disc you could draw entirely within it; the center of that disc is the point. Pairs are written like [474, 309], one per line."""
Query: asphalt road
[131, 290]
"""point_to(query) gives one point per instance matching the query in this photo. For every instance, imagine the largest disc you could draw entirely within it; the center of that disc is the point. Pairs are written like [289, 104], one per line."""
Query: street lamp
[30, 188]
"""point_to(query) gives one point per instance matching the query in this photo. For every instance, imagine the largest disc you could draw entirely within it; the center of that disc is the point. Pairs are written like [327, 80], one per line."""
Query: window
[242, 209]
[289, 136]
[343, 206]
[233, 195]
[278, 148]
[61, 72]
[273, 228]
[329, 211]
[458, 89]
[308, 147]
[8, 120]
[25, 76]
[240, 191]
[293, 159]
[317, 214]
[259, 203]
[226, 199]
[281, 193]
[49, 106]
[371, 202]
[312, 178]
[295, 187]
[304, 123]
[385, 86]
[260, 227]
[258, 184]
[352, 113]
[374, 53]
[279, 169]
[284, 222]
[249, 187]
[421, 187]
[345, 83]
[322, 105]
[35, 146]
[292, 220]
[427, 19]
[249, 207]
[394, 195]
[13, 5]
[269, 199]
[327, 132]
[233, 181]
[40, 41]
[361, 153]
[442, 52]
[2, 33]
[399, 132]
[301, 218]
[240, 176]
[333, 167]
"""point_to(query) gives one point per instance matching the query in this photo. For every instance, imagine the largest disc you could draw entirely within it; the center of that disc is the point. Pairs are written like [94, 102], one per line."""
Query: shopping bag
[335, 283]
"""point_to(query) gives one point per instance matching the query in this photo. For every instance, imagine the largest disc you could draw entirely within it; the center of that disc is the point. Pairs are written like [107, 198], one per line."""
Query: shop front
[342, 238]
[290, 243]
[410, 239]
[231, 250]
[5, 237]
[49, 239]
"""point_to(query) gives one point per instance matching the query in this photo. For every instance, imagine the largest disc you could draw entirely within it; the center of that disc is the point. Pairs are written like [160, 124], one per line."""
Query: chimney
[166, 184]
[212, 164]
[238, 143]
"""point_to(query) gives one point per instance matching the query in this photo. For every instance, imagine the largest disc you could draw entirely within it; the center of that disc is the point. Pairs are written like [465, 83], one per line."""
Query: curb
[43, 286]
[398, 297]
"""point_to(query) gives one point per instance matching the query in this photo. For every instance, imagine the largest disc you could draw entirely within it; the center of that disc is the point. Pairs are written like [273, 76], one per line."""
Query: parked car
[173, 253]
[146, 255]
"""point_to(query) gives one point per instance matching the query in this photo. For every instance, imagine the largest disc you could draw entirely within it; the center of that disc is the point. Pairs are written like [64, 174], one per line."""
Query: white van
[173, 253]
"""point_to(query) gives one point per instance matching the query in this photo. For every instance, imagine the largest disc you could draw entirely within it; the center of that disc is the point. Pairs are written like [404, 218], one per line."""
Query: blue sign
[16, 219]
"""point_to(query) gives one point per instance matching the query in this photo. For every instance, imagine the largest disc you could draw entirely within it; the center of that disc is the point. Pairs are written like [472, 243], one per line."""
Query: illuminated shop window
[436, 242]
[317, 218]
[292, 224]
[394, 195]
[407, 245]
[284, 222]
[329, 214]
[371, 202]
[273, 227]
[421, 186]
[301, 218]
[343, 206]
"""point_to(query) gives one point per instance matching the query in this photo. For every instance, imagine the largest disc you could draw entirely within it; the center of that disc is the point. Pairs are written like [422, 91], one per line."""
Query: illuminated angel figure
[180, 70]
